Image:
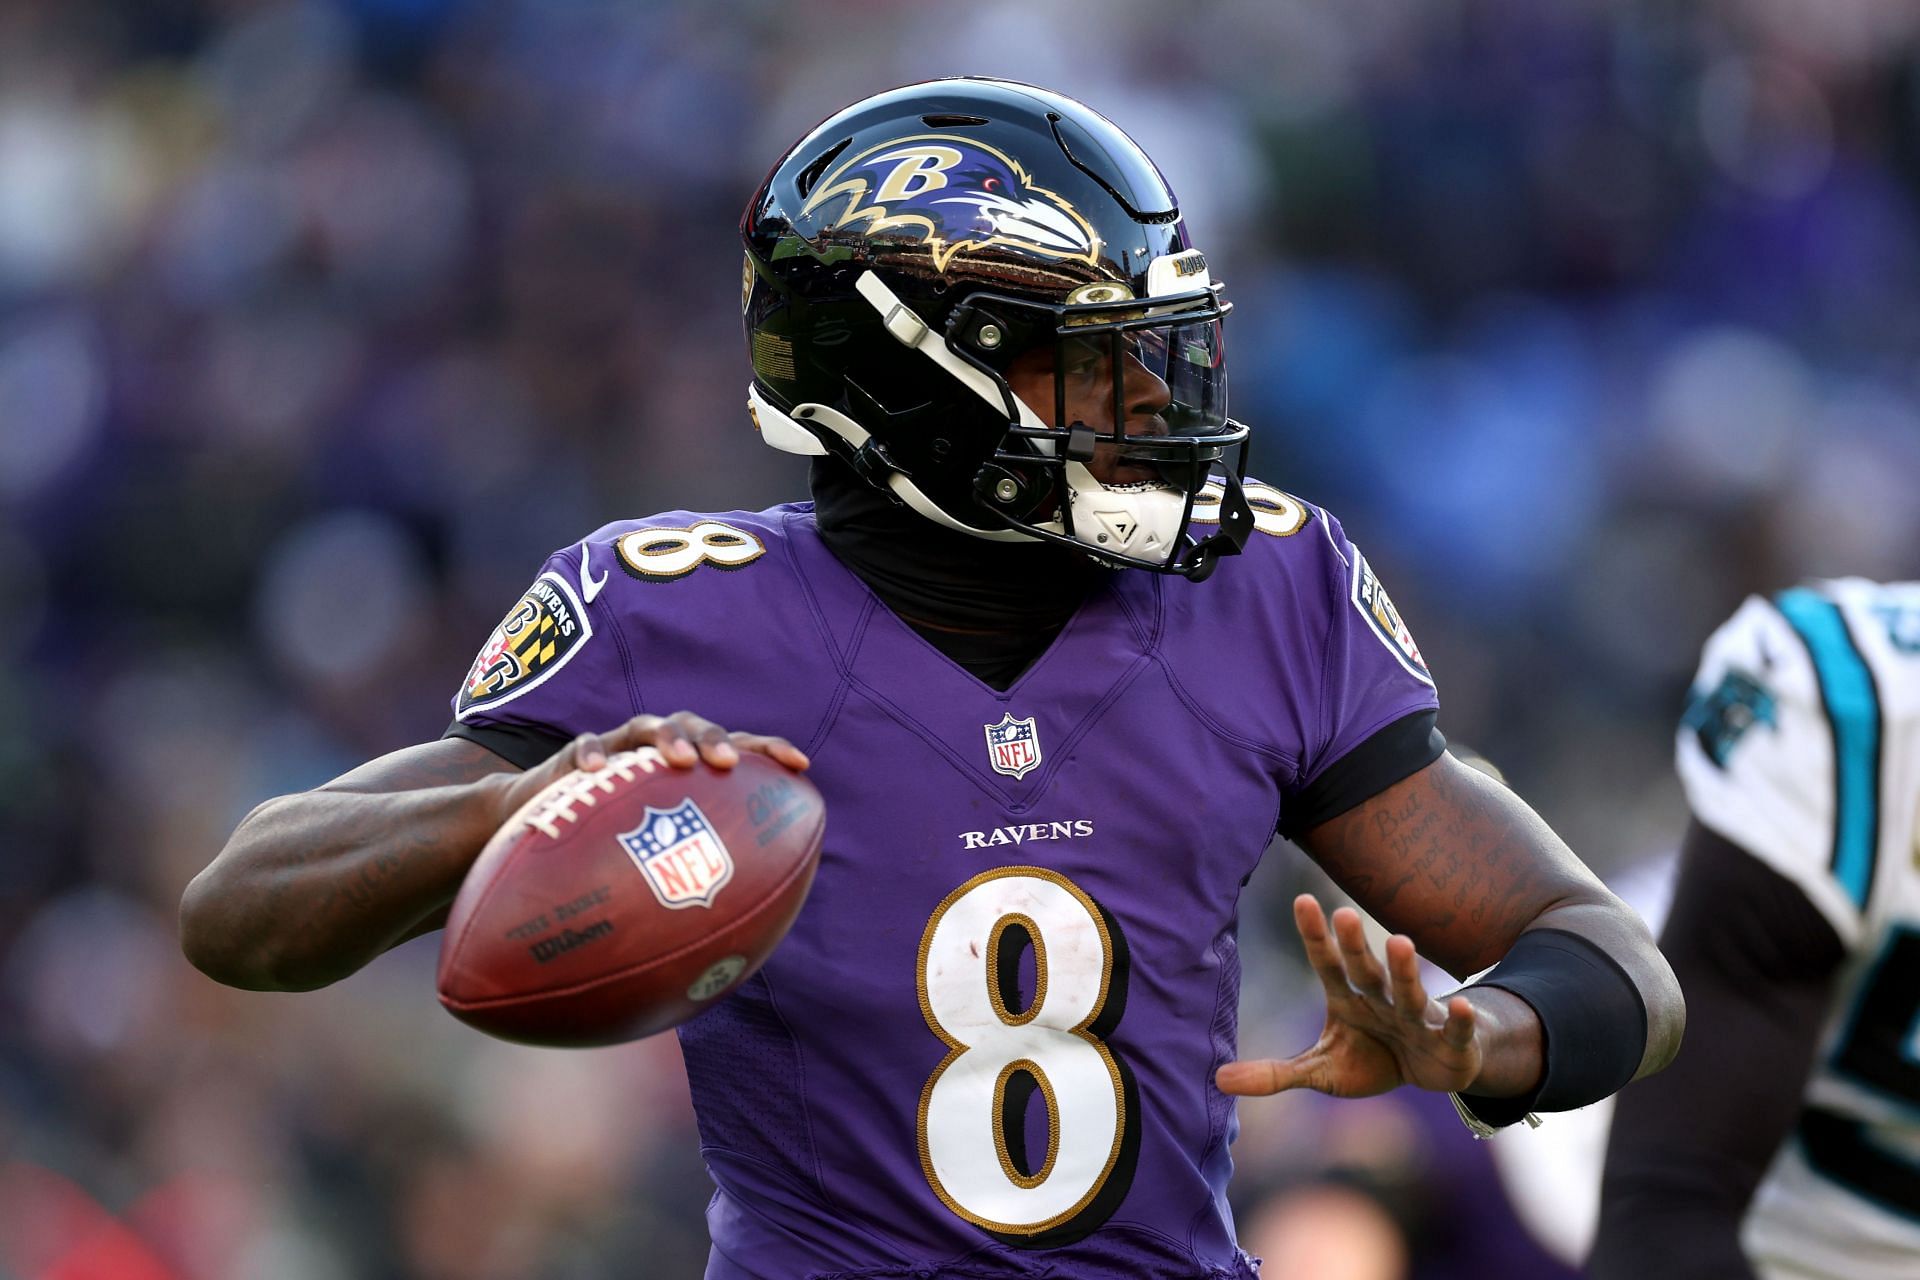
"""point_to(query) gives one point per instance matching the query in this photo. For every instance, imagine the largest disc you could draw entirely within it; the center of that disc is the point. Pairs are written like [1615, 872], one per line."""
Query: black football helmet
[908, 250]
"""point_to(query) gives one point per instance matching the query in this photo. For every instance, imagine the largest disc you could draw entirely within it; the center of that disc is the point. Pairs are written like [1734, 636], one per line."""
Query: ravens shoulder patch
[535, 639]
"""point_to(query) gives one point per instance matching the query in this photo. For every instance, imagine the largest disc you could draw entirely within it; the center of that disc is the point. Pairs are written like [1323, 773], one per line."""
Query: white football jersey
[1801, 745]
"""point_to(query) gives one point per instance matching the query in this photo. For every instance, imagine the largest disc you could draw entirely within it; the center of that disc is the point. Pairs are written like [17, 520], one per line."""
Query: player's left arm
[1462, 870]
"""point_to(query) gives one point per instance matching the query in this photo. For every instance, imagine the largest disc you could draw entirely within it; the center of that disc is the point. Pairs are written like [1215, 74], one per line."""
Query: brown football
[622, 902]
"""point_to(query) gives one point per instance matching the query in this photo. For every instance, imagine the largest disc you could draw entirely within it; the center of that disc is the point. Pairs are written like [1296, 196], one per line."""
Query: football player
[1785, 1141]
[1060, 672]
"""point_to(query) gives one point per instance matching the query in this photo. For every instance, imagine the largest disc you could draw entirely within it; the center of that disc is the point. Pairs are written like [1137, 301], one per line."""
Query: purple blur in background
[321, 324]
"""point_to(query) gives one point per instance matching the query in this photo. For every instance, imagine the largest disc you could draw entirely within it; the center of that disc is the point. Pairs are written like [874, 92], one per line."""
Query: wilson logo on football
[677, 850]
[534, 640]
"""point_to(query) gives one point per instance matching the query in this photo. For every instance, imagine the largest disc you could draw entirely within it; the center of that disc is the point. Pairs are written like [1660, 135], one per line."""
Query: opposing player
[1059, 672]
[1785, 1141]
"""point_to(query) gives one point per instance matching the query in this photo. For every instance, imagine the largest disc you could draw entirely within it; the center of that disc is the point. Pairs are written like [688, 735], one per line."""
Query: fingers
[1363, 967]
[1349, 967]
[1457, 1031]
[684, 739]
[587, 753]
[778, 748]
[1322, 952]
[666, 734]
[1261, 1077]
[1403, 974]
[1338, 951]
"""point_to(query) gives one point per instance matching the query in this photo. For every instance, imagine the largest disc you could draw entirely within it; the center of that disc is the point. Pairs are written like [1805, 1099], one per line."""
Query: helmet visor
[1188, 359]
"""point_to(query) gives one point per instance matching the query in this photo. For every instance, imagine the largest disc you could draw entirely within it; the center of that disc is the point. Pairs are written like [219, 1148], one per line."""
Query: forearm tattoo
[1450, 858]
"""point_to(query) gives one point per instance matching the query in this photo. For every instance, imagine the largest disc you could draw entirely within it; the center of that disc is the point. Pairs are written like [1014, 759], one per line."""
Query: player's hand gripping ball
[623, 901]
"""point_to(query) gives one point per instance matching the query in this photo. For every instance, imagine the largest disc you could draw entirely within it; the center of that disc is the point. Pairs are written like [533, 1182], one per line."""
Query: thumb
[585, 753]
[589, 752]
[1257, 1078]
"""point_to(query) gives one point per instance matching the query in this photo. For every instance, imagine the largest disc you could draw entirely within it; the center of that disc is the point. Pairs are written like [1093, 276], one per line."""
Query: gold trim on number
[994, 997]
[955, 1049]
[1038, 1176]
[719, 536]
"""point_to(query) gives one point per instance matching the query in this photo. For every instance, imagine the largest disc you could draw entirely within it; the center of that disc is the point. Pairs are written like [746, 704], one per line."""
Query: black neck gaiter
[992, 607]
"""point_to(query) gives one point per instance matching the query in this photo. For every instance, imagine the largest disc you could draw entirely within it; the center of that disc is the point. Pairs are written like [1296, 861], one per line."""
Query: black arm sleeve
[1593, 1023]
[1401, 749]
[1689, 1145]
[515, 744]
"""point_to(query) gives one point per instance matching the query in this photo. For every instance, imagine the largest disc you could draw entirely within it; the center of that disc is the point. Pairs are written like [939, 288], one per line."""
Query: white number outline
[703, 542]
[1280, 514]
[1126, 1117]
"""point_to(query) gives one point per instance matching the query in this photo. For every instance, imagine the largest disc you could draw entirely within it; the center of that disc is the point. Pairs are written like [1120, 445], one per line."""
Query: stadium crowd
[321, 323]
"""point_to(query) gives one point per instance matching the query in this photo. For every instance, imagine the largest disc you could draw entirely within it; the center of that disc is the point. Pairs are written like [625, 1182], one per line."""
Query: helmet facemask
[1150, 374]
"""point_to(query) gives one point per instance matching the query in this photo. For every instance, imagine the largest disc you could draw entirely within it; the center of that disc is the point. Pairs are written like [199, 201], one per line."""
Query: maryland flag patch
[1371, 599]
[532, 642]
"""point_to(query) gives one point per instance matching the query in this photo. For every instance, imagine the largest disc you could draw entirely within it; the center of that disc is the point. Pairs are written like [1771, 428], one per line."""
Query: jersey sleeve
[554, 667]
[1377, 704]
[1769, 740]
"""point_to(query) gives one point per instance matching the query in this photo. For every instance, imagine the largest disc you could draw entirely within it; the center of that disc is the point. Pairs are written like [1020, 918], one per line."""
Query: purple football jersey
[994, 1028]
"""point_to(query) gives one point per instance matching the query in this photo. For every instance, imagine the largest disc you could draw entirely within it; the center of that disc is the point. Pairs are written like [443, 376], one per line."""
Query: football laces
[555, 806]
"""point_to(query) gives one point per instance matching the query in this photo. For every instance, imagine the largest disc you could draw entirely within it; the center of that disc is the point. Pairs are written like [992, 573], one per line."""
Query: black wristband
[1591, 1015]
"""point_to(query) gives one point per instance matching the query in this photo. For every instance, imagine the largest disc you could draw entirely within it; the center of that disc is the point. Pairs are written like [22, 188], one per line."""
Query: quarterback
[1060, 670]
[1785, 1142]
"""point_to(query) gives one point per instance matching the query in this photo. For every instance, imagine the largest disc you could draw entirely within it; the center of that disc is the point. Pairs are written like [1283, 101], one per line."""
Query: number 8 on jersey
[972, 1110]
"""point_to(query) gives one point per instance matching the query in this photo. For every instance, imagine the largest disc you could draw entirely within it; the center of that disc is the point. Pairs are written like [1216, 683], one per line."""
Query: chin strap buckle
[872, 463]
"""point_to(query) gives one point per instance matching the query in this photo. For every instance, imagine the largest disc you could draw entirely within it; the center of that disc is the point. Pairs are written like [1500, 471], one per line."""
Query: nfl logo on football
[1013, 748]
[676, 849]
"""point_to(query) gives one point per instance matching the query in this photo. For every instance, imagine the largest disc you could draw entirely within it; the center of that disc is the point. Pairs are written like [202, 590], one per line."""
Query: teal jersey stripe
[1853, 710]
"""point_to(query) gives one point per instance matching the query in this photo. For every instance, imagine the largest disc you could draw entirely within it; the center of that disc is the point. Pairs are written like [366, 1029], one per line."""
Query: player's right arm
[312, 886]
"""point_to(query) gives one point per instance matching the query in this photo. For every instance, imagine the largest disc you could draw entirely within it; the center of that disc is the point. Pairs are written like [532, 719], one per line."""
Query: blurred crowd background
[321, 323]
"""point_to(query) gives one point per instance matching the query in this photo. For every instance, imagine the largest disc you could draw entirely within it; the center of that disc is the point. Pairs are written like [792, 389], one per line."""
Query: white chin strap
[1138, 520]
[784, 433]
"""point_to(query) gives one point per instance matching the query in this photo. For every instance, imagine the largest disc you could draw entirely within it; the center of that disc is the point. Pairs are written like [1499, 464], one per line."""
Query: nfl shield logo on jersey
[682, 858]
[1013, 748]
